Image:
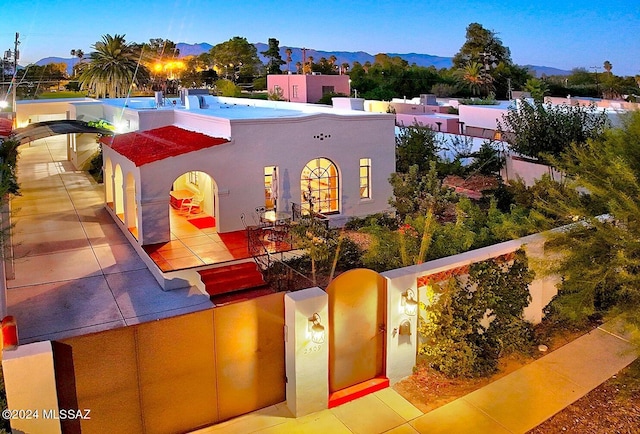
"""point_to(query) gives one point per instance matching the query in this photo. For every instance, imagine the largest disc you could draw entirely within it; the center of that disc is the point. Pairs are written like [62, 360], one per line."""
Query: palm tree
[608, 66]
[307, 68]
[80, 55]
[475, 77]
[112, 68]
[288, 51]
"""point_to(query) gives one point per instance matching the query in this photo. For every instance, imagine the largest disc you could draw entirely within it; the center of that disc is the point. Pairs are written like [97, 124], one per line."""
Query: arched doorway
[108, 182]
[118, 197]
[193, 198]
[357, 334]
[319, 186]
[131, 206]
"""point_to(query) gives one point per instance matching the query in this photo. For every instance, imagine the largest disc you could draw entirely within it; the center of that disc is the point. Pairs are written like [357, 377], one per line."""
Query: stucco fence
[30, 375]
[307, 366]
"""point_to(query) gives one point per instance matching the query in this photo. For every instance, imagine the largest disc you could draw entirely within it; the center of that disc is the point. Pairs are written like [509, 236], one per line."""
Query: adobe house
[238, 155]
[307, 87]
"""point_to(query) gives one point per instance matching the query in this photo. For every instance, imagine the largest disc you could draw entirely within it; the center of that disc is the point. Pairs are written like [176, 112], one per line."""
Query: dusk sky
[562, 34]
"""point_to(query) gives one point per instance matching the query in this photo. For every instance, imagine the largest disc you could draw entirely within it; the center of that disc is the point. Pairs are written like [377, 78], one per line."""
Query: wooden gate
[357, 335]
[177, 374]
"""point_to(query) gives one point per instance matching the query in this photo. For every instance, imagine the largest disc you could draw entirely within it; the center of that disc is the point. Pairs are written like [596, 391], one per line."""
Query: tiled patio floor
[193, 247]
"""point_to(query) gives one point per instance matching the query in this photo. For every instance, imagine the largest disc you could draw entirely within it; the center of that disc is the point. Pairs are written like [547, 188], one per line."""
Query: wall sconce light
[316, 329]
[409, 302]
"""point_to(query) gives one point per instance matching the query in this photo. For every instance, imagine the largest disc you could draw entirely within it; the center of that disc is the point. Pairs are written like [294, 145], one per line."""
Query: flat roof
[235, 108]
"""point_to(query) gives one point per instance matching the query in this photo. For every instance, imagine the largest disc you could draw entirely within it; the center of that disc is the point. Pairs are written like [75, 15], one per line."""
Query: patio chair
[191, 204]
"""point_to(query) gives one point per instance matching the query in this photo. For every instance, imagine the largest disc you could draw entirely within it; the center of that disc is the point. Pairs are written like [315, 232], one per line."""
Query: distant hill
[193, 49]
[539, 71]
[69, 61]
[349, 57]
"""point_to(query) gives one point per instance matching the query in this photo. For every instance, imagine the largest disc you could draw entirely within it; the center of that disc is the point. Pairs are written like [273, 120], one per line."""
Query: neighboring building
[307, 88]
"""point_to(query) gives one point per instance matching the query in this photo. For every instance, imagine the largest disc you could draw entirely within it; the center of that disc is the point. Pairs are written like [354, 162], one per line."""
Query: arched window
[319, 186]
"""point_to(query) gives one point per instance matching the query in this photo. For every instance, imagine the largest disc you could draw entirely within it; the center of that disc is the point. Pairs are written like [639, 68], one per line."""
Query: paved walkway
[515, 403]
[75, 272]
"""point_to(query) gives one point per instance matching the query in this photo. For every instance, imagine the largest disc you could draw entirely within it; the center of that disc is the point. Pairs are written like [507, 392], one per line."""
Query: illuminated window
[270, 187]
[319, 186]
[193, 178]
[365, 178]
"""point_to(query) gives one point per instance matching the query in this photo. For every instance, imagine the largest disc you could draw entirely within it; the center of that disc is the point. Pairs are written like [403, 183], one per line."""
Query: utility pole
[595, 69]
[16, 56]
[8, 56]
[304, 58]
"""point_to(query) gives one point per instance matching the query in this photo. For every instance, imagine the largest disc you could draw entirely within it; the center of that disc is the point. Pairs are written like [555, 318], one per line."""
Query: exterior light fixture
[316, 329]
[409, 302]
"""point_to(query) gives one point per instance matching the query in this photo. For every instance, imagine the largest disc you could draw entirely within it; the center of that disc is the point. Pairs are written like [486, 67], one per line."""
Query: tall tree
[158, 50]
[541, 130]
[288, 51]
[608, 66]
[112, 68]
[78, 54]
[236, 58]
[416, 145]
[273, 55]
[482, 46]
[600, 258]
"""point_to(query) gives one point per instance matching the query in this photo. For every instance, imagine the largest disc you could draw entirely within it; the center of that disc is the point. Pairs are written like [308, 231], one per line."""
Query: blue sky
[562, 34]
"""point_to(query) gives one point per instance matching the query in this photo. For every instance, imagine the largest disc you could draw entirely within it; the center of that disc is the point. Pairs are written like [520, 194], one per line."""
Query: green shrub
[228, 88]
[454, 337]
[326, 98]
[95, 166]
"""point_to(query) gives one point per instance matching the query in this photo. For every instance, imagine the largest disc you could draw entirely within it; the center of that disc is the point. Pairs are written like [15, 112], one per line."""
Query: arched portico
[118, 193]
[194, 195]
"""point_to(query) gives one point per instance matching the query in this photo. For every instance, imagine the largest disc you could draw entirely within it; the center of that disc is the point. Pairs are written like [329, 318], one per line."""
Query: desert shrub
[469, 323]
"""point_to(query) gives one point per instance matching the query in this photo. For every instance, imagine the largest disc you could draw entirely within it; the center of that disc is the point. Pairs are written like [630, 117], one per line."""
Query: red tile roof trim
[144, 147]
[458, 271]
[6, 125]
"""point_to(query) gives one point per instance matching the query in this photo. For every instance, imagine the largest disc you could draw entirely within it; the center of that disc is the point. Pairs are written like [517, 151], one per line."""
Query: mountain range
[349, 57]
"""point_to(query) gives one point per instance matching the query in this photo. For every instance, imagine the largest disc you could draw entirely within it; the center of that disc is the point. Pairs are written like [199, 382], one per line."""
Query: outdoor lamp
[409, 302]
[316, 329]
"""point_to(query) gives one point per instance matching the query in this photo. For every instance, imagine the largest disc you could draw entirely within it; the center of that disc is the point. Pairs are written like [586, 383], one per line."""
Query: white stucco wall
[31, 111]
[481, 116]
[288, 143]
[307, 362]
[401, 348]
